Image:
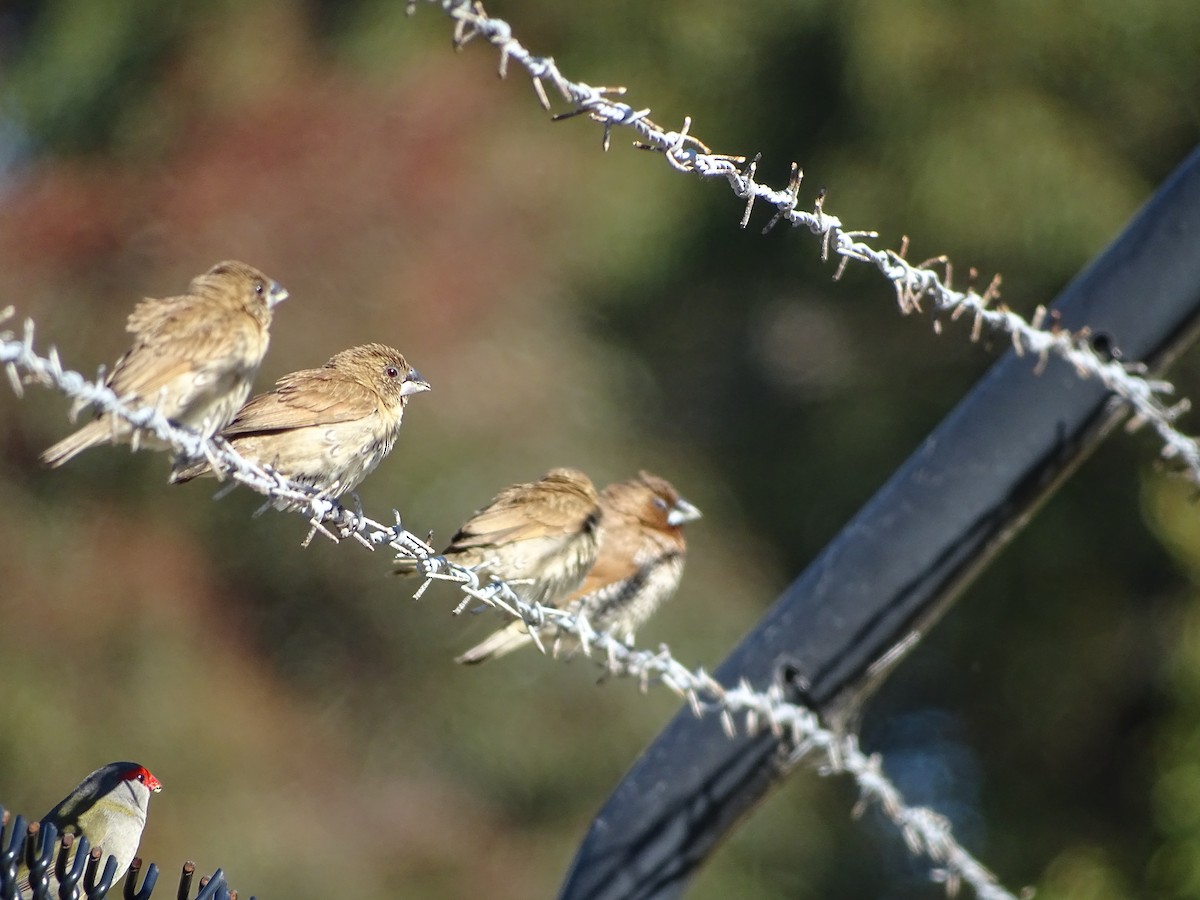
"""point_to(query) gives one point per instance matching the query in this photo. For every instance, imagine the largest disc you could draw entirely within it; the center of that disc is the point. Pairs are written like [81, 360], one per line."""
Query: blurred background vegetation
[577, 308]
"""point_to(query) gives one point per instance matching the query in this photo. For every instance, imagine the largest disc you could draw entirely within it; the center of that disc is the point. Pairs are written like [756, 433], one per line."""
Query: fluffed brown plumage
[639, 565]
[328, 427]
[193, 356]
[539, 537]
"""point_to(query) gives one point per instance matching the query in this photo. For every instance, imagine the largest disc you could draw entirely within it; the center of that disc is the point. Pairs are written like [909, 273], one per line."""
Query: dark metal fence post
[882, 582]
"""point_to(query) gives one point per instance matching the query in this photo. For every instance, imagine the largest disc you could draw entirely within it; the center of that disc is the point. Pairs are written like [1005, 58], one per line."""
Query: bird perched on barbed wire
[329, 427]
[638, 568]
[193, 357]
[539, 537]
[109, 809]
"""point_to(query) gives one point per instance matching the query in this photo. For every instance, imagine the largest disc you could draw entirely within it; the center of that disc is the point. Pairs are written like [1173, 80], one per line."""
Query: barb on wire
[797, 727]
[913, 284]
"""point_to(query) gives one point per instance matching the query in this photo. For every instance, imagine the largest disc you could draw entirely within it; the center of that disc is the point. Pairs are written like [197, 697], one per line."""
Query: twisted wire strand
[1041, 336]
[925, 831]
[799, 729]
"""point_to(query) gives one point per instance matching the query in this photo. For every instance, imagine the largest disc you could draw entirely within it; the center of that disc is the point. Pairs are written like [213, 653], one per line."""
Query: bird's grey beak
[682, 512]
[276, 295]
[414, 383]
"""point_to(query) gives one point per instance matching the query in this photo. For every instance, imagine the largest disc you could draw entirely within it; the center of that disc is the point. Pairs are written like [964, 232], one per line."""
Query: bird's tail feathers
[182, 472]
[405, 566]
[505, 641]
[90, 435]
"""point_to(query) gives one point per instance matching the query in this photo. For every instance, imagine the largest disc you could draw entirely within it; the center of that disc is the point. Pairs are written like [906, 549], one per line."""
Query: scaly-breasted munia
[639, 565]
[329, 427]
[193, 357]
[540, 537]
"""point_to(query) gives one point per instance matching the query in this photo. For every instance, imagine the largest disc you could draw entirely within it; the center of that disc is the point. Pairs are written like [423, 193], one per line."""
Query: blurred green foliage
[596, 310]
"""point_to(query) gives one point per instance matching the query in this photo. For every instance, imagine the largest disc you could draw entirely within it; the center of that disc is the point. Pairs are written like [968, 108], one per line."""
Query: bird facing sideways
[638, 568]
[109, 809]
[329, 427]
[540, 537]
[193, 357]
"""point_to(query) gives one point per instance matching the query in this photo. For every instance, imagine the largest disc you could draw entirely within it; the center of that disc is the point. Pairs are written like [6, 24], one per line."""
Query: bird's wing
[499, 526]
[173, 342]
[144, 372]
[151, 315]
[311, 397]
[515, 517]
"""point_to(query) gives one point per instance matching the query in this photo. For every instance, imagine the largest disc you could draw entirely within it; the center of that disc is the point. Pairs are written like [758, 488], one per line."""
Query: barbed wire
[1041, 336]
[798, 728]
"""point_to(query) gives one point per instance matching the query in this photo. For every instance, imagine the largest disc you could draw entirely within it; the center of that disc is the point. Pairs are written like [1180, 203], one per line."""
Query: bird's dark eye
[259, 287]
[391, 372]
[141, 776]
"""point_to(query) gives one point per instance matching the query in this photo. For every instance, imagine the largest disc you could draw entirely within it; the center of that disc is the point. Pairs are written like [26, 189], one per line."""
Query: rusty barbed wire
[798, 728]
[913, 284]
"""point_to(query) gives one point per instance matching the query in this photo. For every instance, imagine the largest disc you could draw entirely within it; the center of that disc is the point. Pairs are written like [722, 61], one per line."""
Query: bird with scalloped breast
[539, 537]
[327, 428]
[638, 567]
[193, 357]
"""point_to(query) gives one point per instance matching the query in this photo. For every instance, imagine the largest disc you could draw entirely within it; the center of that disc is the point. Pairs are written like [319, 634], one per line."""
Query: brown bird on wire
[329, 427]
[538, 537]
[193, 357]
[638, 568]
